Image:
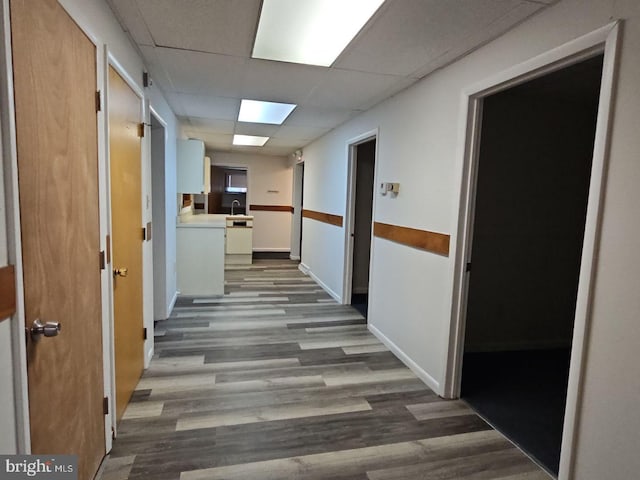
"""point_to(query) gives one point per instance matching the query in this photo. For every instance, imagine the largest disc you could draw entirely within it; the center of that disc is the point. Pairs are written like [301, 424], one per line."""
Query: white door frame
[604, 40]
[14, 237]
[349, 221]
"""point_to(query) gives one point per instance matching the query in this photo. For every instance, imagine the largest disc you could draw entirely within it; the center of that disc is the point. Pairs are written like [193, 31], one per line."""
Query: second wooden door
[126, 227]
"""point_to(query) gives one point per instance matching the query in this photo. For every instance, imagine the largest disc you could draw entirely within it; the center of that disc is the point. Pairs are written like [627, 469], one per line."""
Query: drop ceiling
[198, 53]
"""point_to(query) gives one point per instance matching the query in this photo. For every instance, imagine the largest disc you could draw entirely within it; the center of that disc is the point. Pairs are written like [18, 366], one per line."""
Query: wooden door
[57, 144]
[126, 230]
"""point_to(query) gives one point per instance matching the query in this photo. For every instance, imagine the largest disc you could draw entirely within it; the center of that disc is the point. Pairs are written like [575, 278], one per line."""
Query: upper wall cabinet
[193, 167]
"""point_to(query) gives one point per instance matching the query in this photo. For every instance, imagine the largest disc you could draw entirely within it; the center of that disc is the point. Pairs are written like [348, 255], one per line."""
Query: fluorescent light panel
[257, 111]
[313, 32]
[249, 140]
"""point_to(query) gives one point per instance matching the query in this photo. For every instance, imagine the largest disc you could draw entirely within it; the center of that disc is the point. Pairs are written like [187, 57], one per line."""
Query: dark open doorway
[534, 169]
[365, 161]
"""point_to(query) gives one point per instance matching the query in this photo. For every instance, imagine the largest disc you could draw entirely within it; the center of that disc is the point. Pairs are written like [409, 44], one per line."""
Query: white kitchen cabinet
[200, 255]
[193, 167]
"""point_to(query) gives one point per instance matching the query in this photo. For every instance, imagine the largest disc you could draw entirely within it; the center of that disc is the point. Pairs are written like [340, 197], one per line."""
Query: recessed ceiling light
[313, 32]
[249, 140]
[257, 111]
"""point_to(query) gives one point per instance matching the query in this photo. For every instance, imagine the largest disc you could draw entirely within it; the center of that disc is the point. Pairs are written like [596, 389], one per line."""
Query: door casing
[114, 66]
[350, 209]
[14, 233]
[604, 40]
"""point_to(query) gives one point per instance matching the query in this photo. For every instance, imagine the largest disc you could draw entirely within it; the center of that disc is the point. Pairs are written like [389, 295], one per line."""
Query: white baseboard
[431, 382]
[172, 304]
[295, 257]
[278, 249]
[307, 271]
[149, 354]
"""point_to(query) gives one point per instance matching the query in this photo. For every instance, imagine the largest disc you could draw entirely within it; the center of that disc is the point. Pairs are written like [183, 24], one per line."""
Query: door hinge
[141, 130]
[108, 249]
[103, 264]
[98, 101]
[144, 333]
[468, 267]
[105, 405]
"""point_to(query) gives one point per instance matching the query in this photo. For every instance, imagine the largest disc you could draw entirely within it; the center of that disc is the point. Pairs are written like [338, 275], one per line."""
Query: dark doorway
[301, 166]
[534, 169]
[365, 162]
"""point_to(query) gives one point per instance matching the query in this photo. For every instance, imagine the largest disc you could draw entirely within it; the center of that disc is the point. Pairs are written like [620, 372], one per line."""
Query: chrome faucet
[235, 202]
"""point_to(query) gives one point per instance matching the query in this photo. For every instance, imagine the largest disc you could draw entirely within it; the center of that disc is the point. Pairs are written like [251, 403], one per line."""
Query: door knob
[120, 272]
[49, 329]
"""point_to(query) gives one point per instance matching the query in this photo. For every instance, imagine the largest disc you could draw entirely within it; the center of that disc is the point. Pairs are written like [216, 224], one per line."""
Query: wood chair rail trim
[423, 239]
[329, 218]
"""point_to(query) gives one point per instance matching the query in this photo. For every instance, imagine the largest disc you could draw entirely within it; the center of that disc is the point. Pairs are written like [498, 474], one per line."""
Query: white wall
[271, 230]
[161, 107]
[96, 17]
[158, 208]
[8, 439]
[419, 146]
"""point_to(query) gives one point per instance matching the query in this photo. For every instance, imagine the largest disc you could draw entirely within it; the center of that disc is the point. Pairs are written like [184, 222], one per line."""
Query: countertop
[207, 220]
[202, 221]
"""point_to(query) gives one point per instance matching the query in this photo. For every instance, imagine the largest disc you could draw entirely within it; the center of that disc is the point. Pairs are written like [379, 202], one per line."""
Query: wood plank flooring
[275, 380]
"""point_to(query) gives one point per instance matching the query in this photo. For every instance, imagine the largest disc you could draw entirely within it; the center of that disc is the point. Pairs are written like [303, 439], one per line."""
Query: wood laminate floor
[275, 380]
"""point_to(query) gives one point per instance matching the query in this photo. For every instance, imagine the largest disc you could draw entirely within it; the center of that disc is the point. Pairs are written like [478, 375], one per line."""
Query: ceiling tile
[319, 117]
[204, 73]
[204, 66]
[210, 125]
[280, 82]
[211, 140]
[349, 89]
[478, 36]
[261, 130]
[266, 150]
[411, 33]
[288, 142]
[300, 133]
[131, 20]
[220, 108]
[215, 26]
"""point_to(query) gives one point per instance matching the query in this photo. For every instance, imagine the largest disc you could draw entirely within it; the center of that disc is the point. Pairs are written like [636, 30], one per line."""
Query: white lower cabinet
[200, 260]
[239, 246]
